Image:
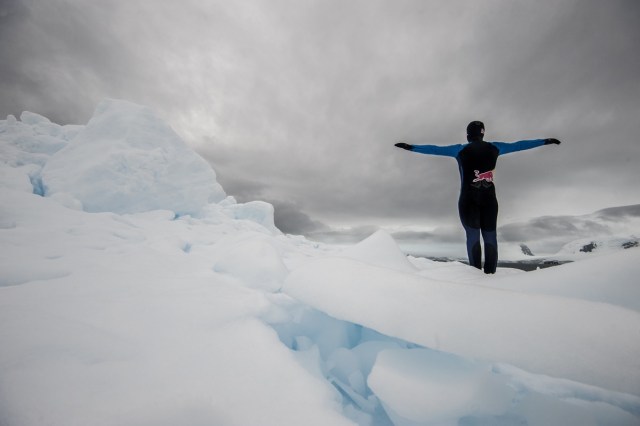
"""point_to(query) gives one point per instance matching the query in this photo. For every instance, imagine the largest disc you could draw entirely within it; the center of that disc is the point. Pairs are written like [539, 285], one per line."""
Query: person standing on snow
[477, 205]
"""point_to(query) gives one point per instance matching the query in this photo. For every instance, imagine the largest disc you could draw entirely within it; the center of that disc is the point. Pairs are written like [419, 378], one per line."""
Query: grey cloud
[613, 213]
[541, 228]
[570, 228]
[439, 235]
[62, 59]
[408, 235]
[301, 102]
[290, 219]
[344, 235]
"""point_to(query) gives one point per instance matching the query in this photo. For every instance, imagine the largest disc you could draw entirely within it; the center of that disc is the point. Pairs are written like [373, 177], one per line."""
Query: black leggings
[478, 209]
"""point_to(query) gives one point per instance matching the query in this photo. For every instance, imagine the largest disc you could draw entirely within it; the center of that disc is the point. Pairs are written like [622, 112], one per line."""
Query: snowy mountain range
[554, 238]
[134, 291]
[609, 229]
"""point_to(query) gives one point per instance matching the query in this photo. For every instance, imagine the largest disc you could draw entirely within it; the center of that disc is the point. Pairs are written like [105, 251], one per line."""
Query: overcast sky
[299, 102]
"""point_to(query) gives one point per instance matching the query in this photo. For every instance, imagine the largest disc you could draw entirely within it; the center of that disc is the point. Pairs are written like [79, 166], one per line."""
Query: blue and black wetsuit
[477, 205]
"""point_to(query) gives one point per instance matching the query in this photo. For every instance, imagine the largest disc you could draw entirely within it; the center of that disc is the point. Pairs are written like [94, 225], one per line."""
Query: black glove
[551, 140]
[404, 146]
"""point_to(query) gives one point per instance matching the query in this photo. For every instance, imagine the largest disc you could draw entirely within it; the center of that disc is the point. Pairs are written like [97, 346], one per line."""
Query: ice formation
[133, 291]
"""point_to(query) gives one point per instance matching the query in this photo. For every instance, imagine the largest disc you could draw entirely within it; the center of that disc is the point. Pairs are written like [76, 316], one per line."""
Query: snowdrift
[133, 291]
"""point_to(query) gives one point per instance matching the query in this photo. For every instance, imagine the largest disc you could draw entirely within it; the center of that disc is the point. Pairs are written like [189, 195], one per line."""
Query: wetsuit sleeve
[446, 151]
[506, 147]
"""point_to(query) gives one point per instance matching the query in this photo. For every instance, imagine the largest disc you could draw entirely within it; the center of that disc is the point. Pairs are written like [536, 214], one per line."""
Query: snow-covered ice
[428, 386]
[127, 160]
[480, 322]
[133, 291]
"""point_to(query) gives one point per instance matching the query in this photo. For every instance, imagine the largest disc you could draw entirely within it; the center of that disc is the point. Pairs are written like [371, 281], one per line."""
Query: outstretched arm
[506, 148]
[447, 151]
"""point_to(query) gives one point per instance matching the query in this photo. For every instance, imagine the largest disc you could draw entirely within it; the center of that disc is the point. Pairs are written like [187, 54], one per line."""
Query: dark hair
[475, 131]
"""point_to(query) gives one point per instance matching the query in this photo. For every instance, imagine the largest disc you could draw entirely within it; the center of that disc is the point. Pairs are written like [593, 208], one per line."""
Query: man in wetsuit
[477, 205]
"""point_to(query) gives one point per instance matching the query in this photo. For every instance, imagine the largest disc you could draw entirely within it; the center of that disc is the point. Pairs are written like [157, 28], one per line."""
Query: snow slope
[134, 292]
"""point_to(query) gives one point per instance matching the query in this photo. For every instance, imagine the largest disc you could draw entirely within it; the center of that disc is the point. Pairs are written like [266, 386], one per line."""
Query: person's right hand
[404, 146]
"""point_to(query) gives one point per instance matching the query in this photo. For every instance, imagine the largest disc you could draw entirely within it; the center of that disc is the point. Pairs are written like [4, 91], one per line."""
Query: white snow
[480, 322]
[133, 291]
[379, 249]
[266, 269]
[610, 278]
[427, 386]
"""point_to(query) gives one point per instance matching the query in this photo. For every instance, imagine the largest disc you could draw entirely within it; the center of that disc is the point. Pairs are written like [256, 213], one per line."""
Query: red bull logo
[484, 176]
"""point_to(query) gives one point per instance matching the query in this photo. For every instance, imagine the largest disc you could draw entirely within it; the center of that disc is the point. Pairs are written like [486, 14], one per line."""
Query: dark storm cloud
[59, 59]
[299, 103]
[568, 228]
[528, 71]
[540, 228]
[614, 213]
[290, 219]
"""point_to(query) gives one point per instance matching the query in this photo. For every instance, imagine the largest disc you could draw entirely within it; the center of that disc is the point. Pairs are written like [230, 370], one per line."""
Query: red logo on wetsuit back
[486, 176]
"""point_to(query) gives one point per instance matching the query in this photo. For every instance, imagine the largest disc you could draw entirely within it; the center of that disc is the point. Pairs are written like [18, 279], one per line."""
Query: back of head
[475, 131]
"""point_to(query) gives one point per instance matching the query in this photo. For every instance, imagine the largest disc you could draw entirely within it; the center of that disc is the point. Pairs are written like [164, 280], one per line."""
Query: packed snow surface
[133, 291]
